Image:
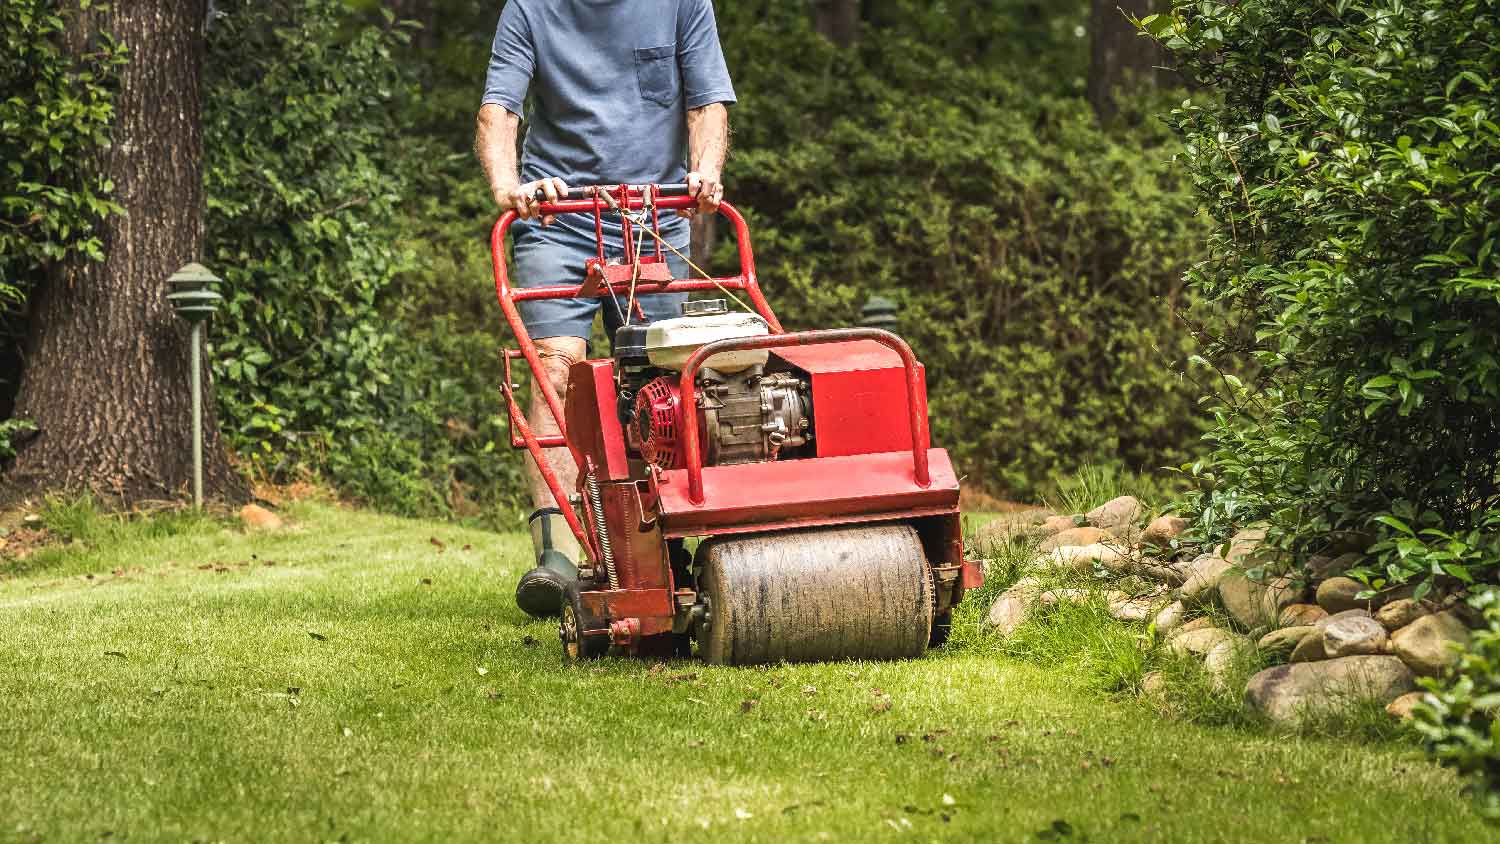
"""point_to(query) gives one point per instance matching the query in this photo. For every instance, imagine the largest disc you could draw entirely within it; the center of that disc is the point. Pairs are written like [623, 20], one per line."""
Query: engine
[746, 414]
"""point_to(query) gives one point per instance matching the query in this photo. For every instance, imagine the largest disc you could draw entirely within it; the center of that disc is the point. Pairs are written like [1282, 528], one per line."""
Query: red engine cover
[656, 426]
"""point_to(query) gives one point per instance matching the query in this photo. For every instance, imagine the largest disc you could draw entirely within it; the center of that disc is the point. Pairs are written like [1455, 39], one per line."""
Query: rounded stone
[1163, 529]
[1430, 644]
[1353, 635]
[1402, 707]
[1299, 615]
[1309, 649]
[1399, 613]
[1203, 578]
[1199, 642]
[1076, 537]
[1288, 693]
[1282, 642]
[1337, 594]
[1170, 618]
[1116, 512]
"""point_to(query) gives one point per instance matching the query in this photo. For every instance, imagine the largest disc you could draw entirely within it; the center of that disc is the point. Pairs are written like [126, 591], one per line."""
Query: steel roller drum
[860, 592]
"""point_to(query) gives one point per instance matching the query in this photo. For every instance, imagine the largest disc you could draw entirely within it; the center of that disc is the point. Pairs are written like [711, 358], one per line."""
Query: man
[624, 92]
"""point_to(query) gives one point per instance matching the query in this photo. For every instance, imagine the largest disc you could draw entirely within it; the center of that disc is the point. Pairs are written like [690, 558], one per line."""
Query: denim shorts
[556, 254]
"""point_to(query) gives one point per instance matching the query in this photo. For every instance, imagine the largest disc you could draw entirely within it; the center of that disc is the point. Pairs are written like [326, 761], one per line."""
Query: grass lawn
[351, 679]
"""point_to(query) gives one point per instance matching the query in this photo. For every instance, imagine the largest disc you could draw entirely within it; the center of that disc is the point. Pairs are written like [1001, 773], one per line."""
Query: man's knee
[558, 354]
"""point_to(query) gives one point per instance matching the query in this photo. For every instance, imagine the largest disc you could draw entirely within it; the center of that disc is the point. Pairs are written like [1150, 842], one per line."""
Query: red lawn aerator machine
[829, 528]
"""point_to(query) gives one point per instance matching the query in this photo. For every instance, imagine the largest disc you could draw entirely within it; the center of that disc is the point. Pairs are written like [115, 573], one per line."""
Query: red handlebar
[631, 198]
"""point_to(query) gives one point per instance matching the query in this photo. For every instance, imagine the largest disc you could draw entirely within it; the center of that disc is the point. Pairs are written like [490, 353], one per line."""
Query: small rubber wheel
[583, 636]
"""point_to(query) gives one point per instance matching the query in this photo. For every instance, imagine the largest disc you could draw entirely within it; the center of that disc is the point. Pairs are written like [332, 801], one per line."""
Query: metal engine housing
[747, 417]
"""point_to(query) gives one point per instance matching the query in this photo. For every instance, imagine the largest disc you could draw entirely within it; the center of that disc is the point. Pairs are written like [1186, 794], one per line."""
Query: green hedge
[326, 363]
[1037, 258]
[1351, 168]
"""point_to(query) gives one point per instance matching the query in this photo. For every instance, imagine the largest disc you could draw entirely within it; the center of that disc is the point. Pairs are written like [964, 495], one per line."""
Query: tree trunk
[106, 371]
[837, 20]
[1118, 54]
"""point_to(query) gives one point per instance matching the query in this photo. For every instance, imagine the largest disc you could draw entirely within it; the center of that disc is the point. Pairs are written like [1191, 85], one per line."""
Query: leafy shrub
[1460, 721]
[1349, 168]
[11, 430]
[322, 363]
[55, 111]
[1037, 258]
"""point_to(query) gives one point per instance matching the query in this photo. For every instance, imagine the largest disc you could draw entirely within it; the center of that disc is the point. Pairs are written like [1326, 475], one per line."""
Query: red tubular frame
[630, 198]
[916, 402]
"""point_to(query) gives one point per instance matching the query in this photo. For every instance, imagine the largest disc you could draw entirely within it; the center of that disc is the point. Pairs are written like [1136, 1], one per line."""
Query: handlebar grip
[587, 192]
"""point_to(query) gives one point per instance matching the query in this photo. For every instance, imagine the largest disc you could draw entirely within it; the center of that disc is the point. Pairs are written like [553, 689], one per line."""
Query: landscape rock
[1172, 575]
[1404, 592]
[1428, 644]
[1125, 510]
[1163, 529]
[1353, 635]
[1154, 685]
[1199, 623]
[1202, 579]
[1349, 542]
[1053, 525]
[1253, 604]
[1081, 558]
[1125, 608]
[1011, 609]
[1127, 534]
[1220, 659]
[1076, 537]
[1008, 528]
[1337, 594]
[1402, 706]
[256, 517]
[1298, 615]
[1063, 596]
[1324, 567]
[1310, 649]
[1170, 618]
[1282, 642]
[1199, 642]
[1287, 693]
[1244, 544]
[1399, 613]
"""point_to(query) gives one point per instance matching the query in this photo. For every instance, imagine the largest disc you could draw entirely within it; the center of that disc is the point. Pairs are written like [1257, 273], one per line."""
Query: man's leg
[547, 256]
[539, 592]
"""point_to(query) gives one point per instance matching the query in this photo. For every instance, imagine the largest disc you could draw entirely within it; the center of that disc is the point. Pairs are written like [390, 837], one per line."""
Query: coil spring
[601, 530]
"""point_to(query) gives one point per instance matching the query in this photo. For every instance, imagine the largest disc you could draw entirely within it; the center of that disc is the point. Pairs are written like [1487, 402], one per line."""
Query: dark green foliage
[1036, 257]
[323, 364]
[11, 431]
[1461, 719]
[55, 114]
[55, 110]
[1350, 167]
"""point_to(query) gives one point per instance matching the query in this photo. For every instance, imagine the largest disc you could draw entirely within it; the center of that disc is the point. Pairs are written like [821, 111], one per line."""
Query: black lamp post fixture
[879, 312]
[194, 299]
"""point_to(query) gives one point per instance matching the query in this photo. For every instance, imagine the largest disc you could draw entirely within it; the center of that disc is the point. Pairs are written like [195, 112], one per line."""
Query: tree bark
[837, 20]
[106, 371]
[1118, 55]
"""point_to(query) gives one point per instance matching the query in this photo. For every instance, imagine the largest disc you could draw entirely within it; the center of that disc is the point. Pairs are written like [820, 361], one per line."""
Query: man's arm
[708, 145]
[495, 144]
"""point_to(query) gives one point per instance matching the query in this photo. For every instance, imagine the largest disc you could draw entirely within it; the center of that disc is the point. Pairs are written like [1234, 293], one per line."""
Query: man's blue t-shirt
[612, 80]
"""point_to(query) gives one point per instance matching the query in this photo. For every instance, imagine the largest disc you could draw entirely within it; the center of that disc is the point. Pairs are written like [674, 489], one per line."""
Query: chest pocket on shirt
[656, 71]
